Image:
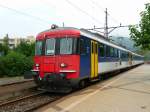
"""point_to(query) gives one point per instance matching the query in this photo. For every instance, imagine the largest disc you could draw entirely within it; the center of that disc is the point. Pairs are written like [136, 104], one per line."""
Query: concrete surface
[127, 92]
[9, 80]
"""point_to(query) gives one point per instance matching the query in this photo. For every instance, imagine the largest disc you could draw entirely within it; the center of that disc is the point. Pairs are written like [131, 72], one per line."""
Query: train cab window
[82, 47]
[50, 46]
[38, 47]
[66, 45]
[101, 50]
[107, 51]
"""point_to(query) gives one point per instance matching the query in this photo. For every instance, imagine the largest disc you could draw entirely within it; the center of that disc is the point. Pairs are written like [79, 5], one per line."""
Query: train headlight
[63, 65]
[37, 65]
[54, 26]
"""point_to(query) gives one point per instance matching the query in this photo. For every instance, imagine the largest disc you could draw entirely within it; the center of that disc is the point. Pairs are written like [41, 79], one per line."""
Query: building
[30, 39]
[13, 42]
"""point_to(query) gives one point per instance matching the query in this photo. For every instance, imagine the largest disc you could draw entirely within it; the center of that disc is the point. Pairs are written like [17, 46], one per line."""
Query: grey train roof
[102, 39]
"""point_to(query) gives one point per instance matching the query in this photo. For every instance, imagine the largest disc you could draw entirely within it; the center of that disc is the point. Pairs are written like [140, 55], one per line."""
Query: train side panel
[85, 62]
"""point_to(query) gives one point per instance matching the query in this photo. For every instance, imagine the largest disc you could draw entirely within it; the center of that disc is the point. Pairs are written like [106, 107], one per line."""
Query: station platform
[126, 92]
[10, 80]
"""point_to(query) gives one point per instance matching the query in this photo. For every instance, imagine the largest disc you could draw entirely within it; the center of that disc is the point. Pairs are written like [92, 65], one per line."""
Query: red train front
[56, 61]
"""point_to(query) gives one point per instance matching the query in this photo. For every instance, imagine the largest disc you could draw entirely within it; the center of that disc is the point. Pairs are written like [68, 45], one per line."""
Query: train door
[94, 59]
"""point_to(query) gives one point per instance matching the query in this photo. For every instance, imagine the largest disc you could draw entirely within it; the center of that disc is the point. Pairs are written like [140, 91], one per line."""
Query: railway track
[16, 86]
[16, 89]
[28, 103]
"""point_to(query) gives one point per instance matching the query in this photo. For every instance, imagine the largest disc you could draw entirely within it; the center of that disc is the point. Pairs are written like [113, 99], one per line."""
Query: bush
[25, 48]
[15, 64]
[2, 67]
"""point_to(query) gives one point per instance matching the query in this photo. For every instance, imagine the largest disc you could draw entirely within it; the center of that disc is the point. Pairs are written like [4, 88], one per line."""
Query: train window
[92, 47]
[38, 48]
[96, 48]
[50, 46]
[107, 51]
[115, 52]
[111, 51]
[118, 53]
[124, 55]
[82, 47]
[102, 50]
[75, 46]
[66, 45]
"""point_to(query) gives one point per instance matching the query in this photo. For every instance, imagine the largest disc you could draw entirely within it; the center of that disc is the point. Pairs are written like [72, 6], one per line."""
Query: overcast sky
[20, 18]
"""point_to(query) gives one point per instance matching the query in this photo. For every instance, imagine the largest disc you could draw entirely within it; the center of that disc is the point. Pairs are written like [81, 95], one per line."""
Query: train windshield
[56, 46]
[38, 48]
[50, 46]
[66, 46]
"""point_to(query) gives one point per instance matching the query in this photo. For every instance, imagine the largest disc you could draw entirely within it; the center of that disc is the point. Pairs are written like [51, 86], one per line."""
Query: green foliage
[26, 48]
[17, 61]
[6, 40]
[15, 64]
[147, 56]
[6, 44]
[2, 67]
[141, 34]
[145, 53]
[4, 49]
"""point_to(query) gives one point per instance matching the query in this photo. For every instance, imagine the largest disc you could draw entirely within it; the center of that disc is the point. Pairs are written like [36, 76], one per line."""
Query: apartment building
[13, 42]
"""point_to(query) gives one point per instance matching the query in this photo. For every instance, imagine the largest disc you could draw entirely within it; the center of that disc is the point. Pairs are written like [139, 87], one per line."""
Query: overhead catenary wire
[116, 21]
[97, 5]
[103, 10]
[81, 10]
[25, 14]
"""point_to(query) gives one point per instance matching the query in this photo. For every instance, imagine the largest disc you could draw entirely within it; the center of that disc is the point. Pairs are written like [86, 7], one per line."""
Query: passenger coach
[68, 57]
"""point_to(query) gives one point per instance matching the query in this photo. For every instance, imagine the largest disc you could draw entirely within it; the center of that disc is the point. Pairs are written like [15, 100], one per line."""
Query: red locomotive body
[56, 62]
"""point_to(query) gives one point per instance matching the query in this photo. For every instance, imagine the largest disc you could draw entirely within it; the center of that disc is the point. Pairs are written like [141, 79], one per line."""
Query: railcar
[67, 57]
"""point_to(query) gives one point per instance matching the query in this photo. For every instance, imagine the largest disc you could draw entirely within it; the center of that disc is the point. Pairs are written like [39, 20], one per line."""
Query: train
[67, 58]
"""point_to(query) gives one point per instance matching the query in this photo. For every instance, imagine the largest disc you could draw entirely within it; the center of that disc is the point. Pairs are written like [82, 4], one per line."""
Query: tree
[5, 45]
[25, 48]
[141, 34]
[6, 40]
[1, 47]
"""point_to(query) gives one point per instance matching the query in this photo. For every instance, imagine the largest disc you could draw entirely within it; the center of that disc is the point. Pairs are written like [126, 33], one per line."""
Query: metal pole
[106, 24]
